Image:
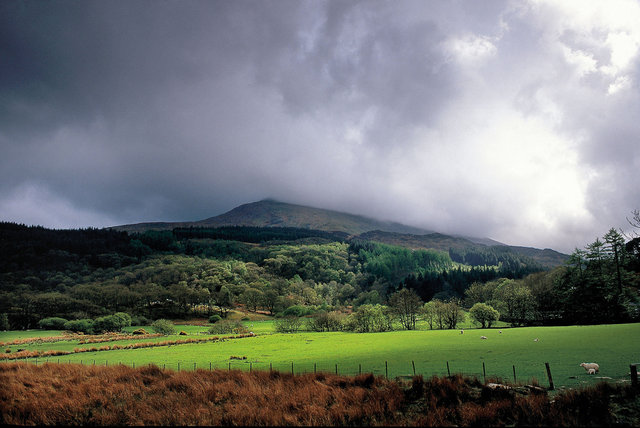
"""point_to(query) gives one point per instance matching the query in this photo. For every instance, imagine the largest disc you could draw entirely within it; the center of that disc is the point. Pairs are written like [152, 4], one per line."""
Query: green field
[614, 347]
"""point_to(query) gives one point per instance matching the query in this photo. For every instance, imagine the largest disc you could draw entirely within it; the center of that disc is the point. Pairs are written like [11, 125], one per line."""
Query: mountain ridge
[272, 213]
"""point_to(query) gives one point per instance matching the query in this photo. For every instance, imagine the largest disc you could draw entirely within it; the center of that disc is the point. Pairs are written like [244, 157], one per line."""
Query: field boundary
[384, 369]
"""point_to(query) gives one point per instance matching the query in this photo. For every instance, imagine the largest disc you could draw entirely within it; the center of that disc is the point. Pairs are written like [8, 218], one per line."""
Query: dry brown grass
[38, 354]
[119, 395]
[28, 340]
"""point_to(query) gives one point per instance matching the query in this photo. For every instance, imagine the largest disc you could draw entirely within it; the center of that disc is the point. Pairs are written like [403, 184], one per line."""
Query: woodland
[339, 281]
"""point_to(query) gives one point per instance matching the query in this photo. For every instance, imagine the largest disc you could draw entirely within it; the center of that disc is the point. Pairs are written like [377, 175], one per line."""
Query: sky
[514, 120]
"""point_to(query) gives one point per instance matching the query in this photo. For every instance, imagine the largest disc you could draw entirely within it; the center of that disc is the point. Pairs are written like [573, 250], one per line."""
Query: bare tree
[634, 221]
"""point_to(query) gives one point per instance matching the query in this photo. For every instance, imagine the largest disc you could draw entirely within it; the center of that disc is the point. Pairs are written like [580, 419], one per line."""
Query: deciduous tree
[406, 305]
[484, 314]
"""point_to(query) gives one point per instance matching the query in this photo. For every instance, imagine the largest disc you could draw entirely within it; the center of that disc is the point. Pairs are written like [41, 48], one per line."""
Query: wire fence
[390, 370]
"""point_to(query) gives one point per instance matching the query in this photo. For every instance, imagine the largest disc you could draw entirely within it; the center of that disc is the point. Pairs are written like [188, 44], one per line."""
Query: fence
[396, 370]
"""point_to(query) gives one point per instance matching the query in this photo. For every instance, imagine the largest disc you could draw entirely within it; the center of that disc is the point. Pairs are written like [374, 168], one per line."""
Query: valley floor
[390, 354]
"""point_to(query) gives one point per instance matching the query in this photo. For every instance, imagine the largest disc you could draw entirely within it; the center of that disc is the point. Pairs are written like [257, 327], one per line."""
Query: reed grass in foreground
[85, 395]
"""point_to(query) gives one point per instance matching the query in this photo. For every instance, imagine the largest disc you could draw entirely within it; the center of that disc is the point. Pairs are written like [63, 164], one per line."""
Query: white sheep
[462, 331]
[592, 371]
[535, 340]
[588, 366]
[483, 337]
[500, 331]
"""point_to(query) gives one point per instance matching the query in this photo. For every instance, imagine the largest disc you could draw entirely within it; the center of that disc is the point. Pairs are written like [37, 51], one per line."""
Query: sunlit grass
[612, 346]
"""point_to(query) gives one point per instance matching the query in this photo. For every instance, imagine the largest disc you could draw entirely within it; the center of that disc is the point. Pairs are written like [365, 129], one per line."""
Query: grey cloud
[140, 111]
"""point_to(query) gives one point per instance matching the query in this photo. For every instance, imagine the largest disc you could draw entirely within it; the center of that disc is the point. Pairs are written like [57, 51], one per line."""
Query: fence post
[134, 364]
[634, 375]
[336, 369]
[386, 370]
[178, 366]
[229, 365]
[549, 376]
[209, 365]
[194, 366]
[413, 364]
[514, 374]
[250, 367]
[484, 373]
[359, 368]
[291, 367]
[448, 371]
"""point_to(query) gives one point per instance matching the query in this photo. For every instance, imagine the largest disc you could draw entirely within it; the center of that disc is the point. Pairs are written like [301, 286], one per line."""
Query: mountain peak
[273, 213]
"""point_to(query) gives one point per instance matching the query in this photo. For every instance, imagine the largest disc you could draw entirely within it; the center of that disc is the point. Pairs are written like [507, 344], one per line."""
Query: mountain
[270, 213]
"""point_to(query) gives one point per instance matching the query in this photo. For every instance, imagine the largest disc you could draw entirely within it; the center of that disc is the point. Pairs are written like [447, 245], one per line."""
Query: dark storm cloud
[442, 114]
[88, 93]
[121, 78]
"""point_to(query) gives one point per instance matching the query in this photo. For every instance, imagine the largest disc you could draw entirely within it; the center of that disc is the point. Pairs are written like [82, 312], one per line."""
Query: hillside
[436, 241]
[270, 213]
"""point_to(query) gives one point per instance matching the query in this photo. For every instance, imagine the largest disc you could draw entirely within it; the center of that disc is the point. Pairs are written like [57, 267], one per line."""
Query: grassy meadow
[614, 347]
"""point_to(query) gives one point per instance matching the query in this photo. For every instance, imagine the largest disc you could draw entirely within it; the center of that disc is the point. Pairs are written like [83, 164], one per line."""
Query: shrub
[140, 331]
[182, 333]
[115, 322]
[140, 320]
[80, 326]
[227, 327]
[331, 321]
[214, 318]
[106, 323]
[245, 319]
[122, 319]
[297, 311]
[287, 324]
[52, 323]
[163, 326]
[369, 318]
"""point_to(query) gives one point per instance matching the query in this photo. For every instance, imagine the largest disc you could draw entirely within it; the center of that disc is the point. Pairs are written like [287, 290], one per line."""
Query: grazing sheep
[462, 331]
[592, 371]
[535, 340]
[500, 331]
[588, 366]
[483, 337]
